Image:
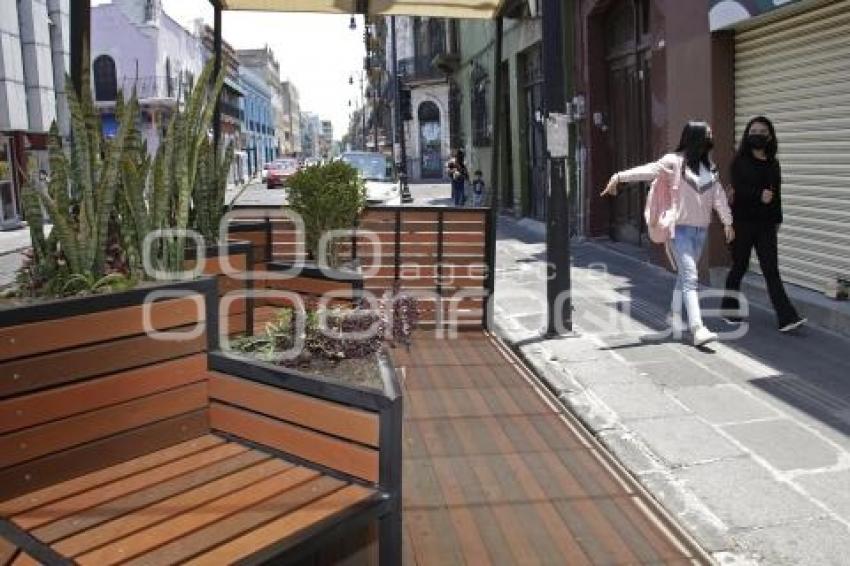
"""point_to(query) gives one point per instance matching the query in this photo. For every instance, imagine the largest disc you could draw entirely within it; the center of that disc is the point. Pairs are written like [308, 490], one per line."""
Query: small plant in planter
[341, 342]
[328, 197]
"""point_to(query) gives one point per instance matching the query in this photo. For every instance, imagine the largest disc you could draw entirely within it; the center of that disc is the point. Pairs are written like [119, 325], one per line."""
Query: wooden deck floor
[496, 474]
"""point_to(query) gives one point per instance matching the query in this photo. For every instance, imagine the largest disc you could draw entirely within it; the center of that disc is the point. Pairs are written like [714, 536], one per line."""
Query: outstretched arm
[647, 172]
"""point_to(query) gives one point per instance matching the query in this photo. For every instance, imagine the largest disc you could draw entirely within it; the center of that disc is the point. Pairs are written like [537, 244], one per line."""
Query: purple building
[135, 44]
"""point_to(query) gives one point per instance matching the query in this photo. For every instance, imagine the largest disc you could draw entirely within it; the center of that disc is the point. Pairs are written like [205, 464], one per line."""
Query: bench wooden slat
[241, 523]
[93, 456]
[64, 507]
[194, 519]
[284, 527]
[168, 508]
[332, 418]
[56, 368]
[106, 475]
[57, 403]
[38, 337]
[354, 459]
[45, 439]
[146, 496]
[7, 551]
[24, 559]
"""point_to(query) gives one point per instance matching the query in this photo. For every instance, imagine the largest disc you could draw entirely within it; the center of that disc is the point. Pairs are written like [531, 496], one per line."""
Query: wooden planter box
[240, 257]
[346, 431]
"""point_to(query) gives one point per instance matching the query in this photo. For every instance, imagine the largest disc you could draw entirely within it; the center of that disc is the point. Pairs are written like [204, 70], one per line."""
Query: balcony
[419, 68]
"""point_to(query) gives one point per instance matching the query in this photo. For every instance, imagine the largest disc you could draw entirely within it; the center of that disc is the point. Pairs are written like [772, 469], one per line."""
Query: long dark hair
[745, 149]
[694, 145]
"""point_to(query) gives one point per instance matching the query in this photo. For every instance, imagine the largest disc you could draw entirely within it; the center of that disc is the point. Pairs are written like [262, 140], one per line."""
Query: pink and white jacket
[693, 197]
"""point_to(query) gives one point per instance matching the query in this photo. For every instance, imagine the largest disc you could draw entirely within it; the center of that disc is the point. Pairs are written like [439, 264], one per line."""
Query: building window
[105, 78]
[480, 115]
[169, 86]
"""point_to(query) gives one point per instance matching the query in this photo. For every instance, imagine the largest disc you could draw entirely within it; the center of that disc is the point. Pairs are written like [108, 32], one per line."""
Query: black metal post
[80, 39]
[495, 176]
[216, 69]
[559, 306]
[399, 122]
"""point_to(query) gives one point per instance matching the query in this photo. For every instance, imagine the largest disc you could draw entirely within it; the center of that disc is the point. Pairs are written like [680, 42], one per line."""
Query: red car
[280, 171]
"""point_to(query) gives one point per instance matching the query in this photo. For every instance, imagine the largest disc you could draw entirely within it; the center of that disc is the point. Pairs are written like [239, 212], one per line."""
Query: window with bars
[481, 134]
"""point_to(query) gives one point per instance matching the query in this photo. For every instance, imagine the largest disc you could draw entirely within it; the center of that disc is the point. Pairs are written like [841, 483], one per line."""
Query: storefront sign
[726, 13]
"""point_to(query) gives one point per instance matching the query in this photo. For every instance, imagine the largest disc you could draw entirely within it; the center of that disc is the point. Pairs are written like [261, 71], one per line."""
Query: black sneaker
[790, 326]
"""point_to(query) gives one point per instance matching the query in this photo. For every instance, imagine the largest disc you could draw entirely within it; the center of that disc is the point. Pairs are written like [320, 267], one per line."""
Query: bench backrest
[83, 386]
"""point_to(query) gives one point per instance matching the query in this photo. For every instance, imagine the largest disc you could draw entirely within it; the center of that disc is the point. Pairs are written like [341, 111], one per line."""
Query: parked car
[280, 172]
[376, 170]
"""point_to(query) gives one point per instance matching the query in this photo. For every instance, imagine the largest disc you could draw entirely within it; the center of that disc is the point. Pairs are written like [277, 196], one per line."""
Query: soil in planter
[365, 372]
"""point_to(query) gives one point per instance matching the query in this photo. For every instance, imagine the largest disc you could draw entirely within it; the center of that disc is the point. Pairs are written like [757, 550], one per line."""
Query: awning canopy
[432, 8]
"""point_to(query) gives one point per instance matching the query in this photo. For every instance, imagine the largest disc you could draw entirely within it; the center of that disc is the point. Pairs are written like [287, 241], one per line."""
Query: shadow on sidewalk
[807, 370]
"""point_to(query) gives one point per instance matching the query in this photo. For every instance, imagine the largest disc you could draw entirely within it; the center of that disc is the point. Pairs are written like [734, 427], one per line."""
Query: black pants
[762, 237]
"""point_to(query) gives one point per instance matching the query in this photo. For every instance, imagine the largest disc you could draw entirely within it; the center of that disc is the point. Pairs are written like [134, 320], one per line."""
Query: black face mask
[758, 141]
[709, 145]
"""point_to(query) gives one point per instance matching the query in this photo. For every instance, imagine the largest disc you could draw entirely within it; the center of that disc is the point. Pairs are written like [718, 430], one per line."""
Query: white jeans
[687, 248]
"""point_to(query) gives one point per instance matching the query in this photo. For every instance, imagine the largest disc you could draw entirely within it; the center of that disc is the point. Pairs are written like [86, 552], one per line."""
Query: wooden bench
[116, 448]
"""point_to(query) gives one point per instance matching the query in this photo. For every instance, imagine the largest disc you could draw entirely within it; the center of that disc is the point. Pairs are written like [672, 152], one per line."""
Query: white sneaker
[793, 325]
[703, 336]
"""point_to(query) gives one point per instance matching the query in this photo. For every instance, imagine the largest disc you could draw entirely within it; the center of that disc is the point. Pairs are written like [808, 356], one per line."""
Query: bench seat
[210, 500]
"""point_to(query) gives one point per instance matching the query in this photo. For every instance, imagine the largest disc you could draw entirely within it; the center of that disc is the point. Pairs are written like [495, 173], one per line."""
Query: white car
[376, 171]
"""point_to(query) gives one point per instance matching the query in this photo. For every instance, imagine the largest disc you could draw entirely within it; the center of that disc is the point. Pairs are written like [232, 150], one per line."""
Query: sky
[318, 52]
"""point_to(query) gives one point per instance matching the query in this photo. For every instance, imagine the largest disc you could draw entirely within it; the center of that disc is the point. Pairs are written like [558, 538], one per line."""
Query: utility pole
[399, 121]
[558, 285]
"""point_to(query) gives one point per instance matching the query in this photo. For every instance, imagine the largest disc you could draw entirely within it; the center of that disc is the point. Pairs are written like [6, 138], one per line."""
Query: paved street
[746, 442]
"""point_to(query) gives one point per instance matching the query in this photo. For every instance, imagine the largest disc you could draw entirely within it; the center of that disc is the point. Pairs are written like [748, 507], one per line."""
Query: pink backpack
[661, 208]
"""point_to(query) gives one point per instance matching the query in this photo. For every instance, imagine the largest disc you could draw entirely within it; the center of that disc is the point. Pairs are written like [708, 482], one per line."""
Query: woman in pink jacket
[697, 191]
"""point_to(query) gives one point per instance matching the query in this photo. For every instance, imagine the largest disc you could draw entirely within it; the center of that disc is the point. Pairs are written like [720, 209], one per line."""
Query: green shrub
[328, 197]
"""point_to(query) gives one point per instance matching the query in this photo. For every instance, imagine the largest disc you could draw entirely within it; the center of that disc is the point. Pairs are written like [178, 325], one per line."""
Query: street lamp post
[399, 122]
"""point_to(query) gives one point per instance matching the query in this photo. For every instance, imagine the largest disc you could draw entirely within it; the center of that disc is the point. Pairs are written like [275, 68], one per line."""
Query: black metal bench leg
[390, 537]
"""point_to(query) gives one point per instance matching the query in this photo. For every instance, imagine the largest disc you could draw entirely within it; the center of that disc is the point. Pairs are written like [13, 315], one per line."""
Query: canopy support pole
[558, 284]
[495, 174]
[80, 39]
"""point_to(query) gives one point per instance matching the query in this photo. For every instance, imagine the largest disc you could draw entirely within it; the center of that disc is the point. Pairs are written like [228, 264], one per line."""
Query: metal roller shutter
[796, 71]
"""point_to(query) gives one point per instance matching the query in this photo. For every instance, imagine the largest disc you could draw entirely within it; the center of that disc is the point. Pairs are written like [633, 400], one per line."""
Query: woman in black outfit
[756, 199]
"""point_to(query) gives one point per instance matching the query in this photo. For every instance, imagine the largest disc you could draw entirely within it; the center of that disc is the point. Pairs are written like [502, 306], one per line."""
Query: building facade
[521, 186]
[645, 67]
[311, 134]
[136, 45]
[258, 139]
[422, 44]
[230, 102]
[291, 103]
[263, 63]
[326, 141]
[34, 57]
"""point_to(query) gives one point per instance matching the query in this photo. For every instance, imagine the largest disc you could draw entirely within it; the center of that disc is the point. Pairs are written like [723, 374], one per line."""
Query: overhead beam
[80, 40]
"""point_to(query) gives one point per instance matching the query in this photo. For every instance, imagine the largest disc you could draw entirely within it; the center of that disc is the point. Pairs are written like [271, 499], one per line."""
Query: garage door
[796, 71]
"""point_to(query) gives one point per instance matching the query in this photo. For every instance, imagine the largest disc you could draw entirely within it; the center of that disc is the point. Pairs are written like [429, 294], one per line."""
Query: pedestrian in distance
[458, 174]
[694, 189]
[756, 199]
[478, 189]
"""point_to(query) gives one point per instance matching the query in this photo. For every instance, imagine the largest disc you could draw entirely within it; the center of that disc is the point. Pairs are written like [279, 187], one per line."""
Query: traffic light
[405, 103]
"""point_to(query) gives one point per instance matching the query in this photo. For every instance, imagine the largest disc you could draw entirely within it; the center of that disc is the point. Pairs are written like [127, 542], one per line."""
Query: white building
[135, 44]
[34, 57]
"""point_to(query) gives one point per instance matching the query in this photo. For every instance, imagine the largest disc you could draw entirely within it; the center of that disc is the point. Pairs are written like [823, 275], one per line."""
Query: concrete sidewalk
[745, 442]
[12, 243]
